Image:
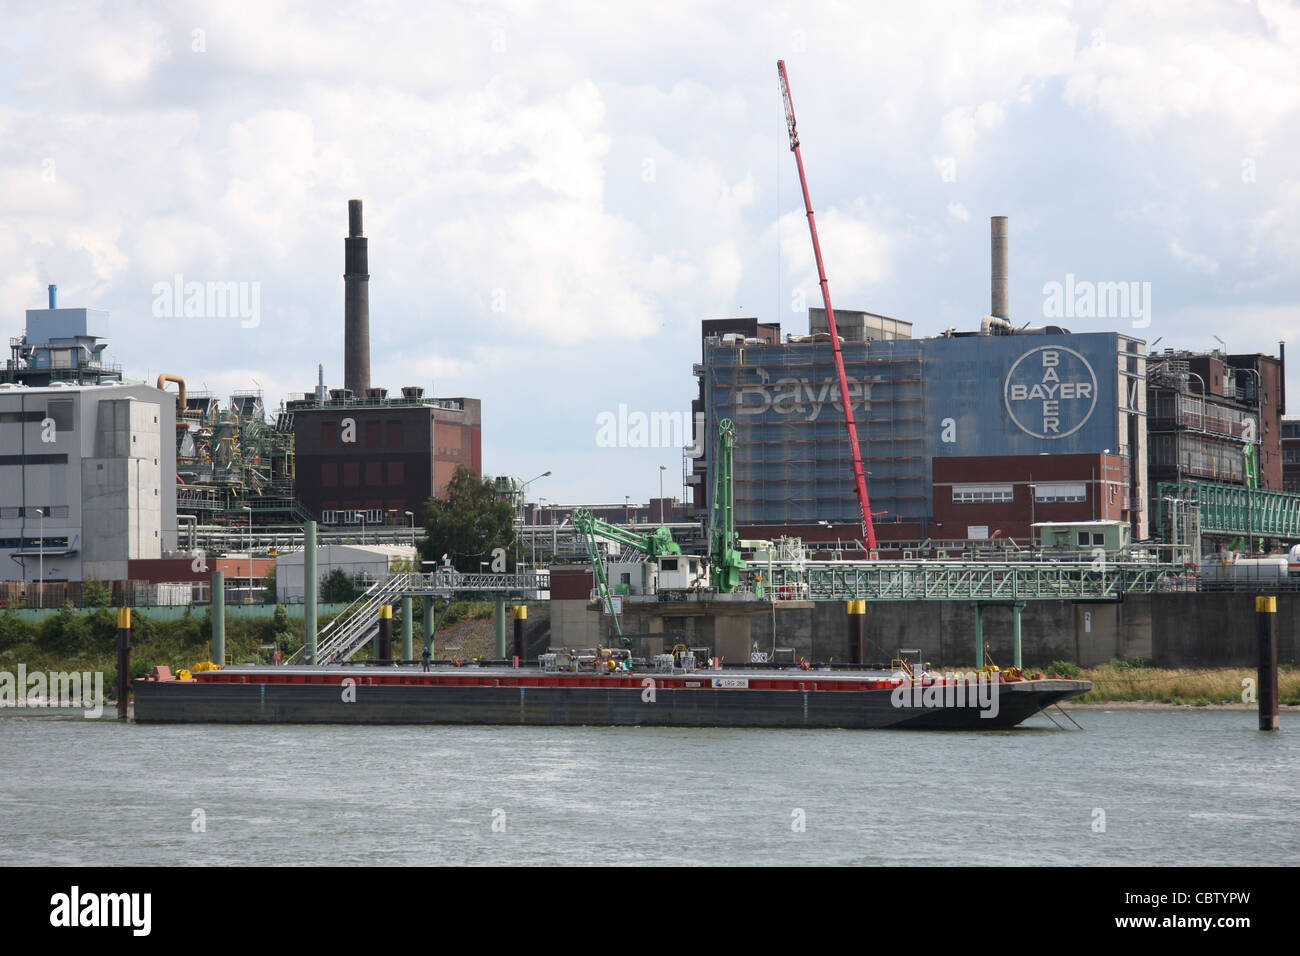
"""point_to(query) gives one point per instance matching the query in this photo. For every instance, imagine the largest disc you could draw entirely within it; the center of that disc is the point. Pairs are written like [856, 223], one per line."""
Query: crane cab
[679, 572]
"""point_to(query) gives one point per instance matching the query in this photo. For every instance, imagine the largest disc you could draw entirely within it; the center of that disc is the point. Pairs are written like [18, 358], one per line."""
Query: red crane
[859, 474]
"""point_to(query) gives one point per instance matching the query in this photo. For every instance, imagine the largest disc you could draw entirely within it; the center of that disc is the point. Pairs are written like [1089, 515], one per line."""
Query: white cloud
[1192, 260]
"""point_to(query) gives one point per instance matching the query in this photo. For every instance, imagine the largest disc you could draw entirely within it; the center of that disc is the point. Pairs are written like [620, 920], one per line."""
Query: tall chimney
[356, 305]
[999, 306]
[54, 296]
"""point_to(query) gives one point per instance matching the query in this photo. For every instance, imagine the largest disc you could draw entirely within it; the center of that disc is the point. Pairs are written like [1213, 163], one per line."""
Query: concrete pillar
[408, 651]
[979, 635]
[218, 618]
[500, 622]
[310, 584]
[428, 621]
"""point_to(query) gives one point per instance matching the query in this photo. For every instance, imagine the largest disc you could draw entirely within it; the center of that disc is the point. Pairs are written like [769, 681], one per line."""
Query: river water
[1134, 787]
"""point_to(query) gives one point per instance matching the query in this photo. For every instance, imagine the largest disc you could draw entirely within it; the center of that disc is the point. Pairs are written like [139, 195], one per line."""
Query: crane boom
[859, 473]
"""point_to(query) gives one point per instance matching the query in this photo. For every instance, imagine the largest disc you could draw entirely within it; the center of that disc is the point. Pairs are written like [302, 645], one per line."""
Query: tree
[96, 593]
[269, 587]
[469, 523]
[337, 588]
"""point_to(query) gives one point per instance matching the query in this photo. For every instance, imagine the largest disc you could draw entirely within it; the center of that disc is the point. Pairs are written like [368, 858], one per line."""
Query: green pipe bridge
[1099, 580]
[1234, 509]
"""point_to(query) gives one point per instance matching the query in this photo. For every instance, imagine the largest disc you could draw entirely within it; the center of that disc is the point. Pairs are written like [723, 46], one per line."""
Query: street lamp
[523, 489]
[519, 507]
[662, 469]
[411, 515]
[40, 587]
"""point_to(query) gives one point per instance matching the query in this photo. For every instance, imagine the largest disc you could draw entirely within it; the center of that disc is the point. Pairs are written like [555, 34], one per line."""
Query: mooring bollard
[1266, 629]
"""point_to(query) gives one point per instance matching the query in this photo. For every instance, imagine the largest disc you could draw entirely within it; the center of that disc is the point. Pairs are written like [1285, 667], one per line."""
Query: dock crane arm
[724, 557]
[658, 542]
[859, 473]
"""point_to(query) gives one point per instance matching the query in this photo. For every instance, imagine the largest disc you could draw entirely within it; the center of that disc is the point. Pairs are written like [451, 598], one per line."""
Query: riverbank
[1122, 683]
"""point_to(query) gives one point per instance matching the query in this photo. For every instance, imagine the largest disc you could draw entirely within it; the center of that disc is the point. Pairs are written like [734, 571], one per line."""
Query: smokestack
[356, 305]
[54, 296]
[999, 306]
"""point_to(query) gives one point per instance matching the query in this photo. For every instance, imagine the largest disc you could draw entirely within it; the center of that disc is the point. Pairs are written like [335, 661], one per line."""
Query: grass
[1126, 683]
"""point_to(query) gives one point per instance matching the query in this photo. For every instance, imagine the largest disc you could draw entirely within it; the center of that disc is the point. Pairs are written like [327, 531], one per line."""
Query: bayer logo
[1050, 392]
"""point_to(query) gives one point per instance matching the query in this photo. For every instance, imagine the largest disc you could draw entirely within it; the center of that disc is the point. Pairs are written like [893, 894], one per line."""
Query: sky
[557, 193]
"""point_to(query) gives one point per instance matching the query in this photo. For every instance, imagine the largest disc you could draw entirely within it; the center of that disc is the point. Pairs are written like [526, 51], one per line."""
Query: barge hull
[272, 703]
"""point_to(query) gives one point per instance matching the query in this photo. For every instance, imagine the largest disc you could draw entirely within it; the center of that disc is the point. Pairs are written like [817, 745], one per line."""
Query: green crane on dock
[655, 544]
[724, 556]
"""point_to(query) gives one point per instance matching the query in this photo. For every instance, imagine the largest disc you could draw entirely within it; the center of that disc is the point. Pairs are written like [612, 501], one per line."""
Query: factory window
[373, 473]
[329, 434]
[351, 474]
[394, 434]
[329, 517]
[1060, 491]
[1098, 539]
[10, 513]
[373, 434]
[396, 473]
[329, 474]
[60, 409]
[981, 494]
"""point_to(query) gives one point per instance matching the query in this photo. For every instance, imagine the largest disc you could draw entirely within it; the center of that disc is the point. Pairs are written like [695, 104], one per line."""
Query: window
[1083, 539]
[374, 476]
[329, 474]
[394, 434]
[1098, 538]
[351, 474]
[1060, 491]
[396, 473]
[982, 494]
[373, 436]
[329, 434]
[667, 564]
[60, 409]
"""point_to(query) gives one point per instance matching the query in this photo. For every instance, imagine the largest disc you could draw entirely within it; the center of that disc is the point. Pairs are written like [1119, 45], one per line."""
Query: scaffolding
[792, 465]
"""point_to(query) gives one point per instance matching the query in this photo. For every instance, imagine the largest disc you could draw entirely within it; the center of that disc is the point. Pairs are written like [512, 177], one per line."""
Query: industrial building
[1215, 417]
[361, 456]
[86, 480]
[57, 345]
[233, 465]
[953, 429]
[916, 402]
[1291, 455]
[977, 435]
[360, 562]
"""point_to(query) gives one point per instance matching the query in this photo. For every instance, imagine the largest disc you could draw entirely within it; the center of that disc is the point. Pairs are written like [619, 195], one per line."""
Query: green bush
[1064, 668]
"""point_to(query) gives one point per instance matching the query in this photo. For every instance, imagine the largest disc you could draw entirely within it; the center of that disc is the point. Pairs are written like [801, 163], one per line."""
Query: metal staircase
[359, 622]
